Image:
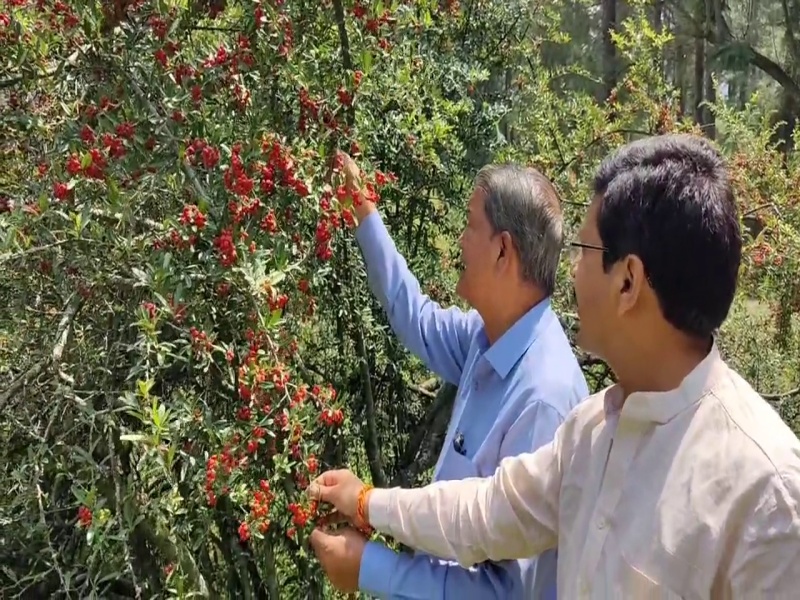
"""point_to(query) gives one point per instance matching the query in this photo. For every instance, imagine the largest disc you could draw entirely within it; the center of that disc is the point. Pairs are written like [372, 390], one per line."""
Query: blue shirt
[512, 396]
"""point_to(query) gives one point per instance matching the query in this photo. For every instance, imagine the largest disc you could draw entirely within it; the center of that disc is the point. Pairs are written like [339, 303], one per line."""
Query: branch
[347, 62]
[338, 11]
[431, 427]
[793, 44]
[63, 331]
[597, 140]
[70, 60]
[781, 396]
[421, 391]
[431, 384]
[14, 255]
[373, 448]
[758, 60]
[46, 529]
[752, 211]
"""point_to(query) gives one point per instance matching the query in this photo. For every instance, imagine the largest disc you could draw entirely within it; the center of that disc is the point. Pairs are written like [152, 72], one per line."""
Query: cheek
[469, 249]
[588, 291]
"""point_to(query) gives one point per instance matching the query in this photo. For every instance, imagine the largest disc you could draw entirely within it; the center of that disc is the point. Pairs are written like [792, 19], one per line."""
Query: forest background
[186, 334]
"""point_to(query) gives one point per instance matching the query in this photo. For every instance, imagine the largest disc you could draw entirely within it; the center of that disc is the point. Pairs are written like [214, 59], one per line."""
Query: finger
[322, 488]
[320, 492]
[318, 540]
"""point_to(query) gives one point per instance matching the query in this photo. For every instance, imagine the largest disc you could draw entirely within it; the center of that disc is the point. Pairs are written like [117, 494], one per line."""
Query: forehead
[477, 203]
[590, 218]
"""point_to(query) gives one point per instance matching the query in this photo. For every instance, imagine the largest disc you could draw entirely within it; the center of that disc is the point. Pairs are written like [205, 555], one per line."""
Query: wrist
[365, 510]
[362, 509]
[362, 207]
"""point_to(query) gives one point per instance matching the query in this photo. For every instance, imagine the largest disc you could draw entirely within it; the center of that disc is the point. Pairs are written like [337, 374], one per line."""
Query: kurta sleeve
[511, 515]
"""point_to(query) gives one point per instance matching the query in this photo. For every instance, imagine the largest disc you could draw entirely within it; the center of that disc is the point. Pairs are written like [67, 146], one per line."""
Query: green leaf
[366, 61]
[144, 387]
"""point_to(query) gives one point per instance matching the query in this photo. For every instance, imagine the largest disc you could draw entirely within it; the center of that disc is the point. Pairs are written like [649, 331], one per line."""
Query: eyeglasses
[576, 248]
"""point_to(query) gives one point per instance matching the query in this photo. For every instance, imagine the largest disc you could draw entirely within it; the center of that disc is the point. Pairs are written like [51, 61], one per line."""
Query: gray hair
[523, 202]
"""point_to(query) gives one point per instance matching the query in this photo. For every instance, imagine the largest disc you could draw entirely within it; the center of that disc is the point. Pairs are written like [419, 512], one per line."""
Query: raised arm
[439, 337]
[511, 515]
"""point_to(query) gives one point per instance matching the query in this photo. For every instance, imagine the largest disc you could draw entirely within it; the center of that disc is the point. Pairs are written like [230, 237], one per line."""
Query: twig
[104, 214]
[373, 447]
[15, 255]
[115, 470]
[70, 60]
[421, 390]
[63, 331]
[43, 521]
[762, 207]
[781, 396]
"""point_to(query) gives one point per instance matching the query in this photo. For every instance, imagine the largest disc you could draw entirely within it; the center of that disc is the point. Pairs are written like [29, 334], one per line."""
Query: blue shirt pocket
[456, 466]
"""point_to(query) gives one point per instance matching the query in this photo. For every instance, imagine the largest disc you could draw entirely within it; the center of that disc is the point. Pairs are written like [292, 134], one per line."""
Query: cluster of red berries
[84, 517]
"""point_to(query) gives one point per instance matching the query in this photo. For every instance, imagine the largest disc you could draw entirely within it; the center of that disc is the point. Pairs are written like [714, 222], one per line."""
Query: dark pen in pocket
[458, 444]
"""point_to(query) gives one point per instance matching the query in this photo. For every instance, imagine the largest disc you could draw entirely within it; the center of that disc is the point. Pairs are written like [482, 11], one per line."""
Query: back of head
[668, 199]
[523, 202]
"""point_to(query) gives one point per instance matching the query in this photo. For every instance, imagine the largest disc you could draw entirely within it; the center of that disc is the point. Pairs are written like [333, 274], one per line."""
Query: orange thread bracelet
[363, 524]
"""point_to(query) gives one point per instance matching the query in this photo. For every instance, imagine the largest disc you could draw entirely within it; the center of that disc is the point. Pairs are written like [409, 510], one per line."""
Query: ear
[631, 281]
[505, 251]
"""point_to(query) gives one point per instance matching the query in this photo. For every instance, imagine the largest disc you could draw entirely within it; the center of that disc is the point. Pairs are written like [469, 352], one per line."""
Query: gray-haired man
[514, 367]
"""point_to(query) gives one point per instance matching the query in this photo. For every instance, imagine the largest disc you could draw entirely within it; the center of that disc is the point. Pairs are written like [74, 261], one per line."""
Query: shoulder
[549, 372]
[768, 451]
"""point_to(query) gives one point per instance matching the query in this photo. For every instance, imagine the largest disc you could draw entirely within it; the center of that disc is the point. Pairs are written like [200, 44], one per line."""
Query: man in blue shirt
[516, 373]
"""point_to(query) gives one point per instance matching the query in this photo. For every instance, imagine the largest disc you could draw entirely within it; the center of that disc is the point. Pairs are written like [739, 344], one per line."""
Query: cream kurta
[692, 493]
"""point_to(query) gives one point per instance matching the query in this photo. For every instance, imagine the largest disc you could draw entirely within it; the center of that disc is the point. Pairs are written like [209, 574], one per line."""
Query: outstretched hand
[343, 169]
[339, 488]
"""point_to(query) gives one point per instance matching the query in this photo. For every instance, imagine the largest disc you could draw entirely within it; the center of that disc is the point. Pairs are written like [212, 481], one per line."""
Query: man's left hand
[340, 554]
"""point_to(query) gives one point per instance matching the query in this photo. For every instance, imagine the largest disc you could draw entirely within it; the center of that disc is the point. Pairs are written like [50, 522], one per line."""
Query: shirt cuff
[378, 564]
[371, 233]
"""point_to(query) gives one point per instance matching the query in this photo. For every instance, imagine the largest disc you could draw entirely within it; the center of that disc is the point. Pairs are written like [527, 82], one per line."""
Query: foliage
[188, 336]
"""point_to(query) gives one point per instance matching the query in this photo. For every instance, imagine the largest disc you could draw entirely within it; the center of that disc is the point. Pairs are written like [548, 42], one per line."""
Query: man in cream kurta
[691, 493]
[679, 481]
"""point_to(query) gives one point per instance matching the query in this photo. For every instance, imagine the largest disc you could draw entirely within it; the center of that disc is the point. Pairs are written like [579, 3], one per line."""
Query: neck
[502, 316]
[659, 364]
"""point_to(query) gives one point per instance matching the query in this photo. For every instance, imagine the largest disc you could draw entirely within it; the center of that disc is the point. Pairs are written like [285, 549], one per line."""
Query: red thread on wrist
[363, 498]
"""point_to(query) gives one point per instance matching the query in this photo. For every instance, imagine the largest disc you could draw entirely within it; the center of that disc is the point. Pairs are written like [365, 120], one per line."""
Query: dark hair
[668, 200]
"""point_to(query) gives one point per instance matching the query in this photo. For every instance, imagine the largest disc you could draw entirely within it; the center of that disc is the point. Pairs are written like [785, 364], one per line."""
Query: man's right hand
[352, 184]
[350, 171]
[341, 489]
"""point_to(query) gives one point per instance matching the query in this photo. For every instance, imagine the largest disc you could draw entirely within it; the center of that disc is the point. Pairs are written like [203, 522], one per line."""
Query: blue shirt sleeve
[439, 337]
[391, 575]
[387, 574]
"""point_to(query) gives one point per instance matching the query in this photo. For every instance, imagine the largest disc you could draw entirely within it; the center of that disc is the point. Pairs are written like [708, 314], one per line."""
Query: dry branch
[62, 334]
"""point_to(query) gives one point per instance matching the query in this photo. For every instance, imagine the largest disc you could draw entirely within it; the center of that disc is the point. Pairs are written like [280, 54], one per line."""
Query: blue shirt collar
[505, 352]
